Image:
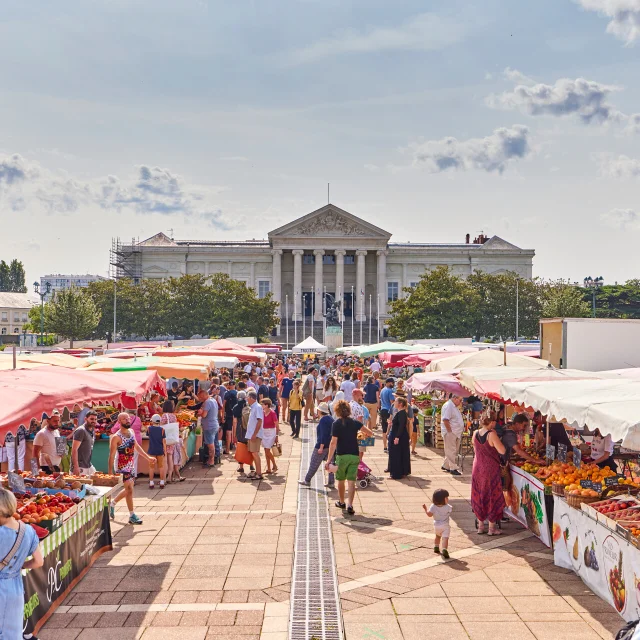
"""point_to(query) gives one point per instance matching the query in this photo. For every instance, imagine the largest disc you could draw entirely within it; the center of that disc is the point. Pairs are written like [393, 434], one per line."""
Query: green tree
[4, 276]
[101, 292]
[152, 309]
[562, 300]
[442, 305]
[71, 314]
[17, 277]
[190, 306]
[499, 294]
[237, 310]
[35, 315]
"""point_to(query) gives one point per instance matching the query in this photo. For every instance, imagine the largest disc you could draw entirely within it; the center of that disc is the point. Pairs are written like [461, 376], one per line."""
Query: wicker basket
[623, 489]
[576, 501]
[557, 489]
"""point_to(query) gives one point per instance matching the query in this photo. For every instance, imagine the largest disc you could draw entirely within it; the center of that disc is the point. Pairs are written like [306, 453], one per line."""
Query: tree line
[444, 305]
[12, 277]
[192, 305]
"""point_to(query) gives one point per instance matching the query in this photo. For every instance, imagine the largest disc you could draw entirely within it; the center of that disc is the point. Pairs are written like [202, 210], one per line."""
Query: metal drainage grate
[315, 602]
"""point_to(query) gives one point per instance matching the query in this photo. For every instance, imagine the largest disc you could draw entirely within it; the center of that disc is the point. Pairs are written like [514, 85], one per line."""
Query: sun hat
[323, 407]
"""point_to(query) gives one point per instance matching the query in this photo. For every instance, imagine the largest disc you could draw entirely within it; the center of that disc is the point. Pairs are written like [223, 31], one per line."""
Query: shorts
[209, 436]
[443, 530]
[254, 445]
[347, 467]
[127, 475]
[320, 395]
[159, 461]
[228, 426]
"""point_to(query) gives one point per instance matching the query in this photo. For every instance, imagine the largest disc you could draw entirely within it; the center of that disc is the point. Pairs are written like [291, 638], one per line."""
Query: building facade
[59, 282]
[328, 251]
[14, 312]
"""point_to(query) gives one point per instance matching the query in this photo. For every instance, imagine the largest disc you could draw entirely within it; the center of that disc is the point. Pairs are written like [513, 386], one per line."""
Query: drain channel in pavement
[315, 603]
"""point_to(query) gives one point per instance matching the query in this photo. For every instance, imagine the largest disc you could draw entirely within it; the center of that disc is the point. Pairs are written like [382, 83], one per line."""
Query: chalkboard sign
[35, 469]
[577, 457]
[61, 446]
[16, 483]
[551, 452]
[609, 482]
[590, 484]
[562, 452]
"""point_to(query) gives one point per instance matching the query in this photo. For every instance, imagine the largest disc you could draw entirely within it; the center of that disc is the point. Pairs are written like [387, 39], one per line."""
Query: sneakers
[304, 483]
[161, 485]
[445, 470]
[351, 511]
[330, 486]
[133, 519]
[436, 549]
[112, 511]
[152, 485]
[455, 472]
[340, 505]
[445, 554]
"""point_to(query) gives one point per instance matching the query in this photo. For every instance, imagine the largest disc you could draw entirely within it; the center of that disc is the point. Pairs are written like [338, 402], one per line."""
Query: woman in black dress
[400, 452]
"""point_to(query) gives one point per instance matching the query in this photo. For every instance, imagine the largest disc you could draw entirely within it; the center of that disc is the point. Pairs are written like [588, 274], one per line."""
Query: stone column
[382, 283]
[276, 277]
[340, 254]
[252, 276]
[318, 253]
[360, 278]
[297, 285]
[229, 267]
[405, 280]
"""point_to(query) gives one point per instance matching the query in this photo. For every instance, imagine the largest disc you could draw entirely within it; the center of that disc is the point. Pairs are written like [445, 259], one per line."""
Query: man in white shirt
[255, 432]
[374, 366]
[452, 428]
[347, 387]
[44, 445]
[248, 368]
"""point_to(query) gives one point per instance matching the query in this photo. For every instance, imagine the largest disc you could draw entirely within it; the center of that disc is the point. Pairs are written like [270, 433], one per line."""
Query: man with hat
[321, 450]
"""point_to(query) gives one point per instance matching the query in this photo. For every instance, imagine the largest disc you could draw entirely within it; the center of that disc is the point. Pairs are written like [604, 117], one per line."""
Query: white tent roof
[486, 358]
[309, 345]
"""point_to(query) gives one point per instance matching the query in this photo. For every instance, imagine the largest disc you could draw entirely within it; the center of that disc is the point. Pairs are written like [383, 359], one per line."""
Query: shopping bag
[242, 454]
[276, 450]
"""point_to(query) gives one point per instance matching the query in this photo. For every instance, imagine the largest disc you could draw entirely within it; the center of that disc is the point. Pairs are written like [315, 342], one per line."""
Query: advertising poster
[525, 503]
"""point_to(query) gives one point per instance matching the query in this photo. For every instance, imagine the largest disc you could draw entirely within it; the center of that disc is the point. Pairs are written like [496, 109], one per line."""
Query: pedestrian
[440, 510]
[415, 427]
[82, 446]
[372, 400]
[173, 443]
[387, 398]
[344, 443]
[308, 393]
[208, 413]
[399, 442]
[255, 432]
[347, 387]
[296, 403]
[285, 390]
[44, 444]
[321, 449]
[230, 400]
[121, 448]
[157, 437]
[18, 541]
[452, 429]
[270, 436]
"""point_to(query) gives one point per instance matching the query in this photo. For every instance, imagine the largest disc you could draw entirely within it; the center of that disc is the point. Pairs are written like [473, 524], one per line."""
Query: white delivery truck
[590, 344]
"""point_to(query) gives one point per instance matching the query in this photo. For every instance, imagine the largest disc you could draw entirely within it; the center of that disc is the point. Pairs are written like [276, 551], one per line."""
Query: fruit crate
[51, 525]
[577, 501]
[557, 489]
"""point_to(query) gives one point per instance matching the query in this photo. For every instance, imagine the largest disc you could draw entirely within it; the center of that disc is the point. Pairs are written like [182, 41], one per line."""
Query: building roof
[10, 300]
[83, 276]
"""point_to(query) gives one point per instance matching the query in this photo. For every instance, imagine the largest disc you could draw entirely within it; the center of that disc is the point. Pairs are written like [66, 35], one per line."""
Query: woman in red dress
[487, 499]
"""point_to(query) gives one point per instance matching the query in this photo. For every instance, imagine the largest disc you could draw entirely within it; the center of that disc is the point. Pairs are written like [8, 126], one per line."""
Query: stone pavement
[214, 556]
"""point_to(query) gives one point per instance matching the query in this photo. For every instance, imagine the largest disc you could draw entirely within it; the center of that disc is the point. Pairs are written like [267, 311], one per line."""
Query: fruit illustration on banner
[557, 532]
[613, 559]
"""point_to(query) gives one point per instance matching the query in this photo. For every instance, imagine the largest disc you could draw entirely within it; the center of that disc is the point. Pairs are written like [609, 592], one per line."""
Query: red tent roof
[28, 393]
[224, 345]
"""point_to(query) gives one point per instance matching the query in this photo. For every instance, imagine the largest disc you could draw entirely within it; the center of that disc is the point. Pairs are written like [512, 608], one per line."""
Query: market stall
[309, 345]
[486, 358]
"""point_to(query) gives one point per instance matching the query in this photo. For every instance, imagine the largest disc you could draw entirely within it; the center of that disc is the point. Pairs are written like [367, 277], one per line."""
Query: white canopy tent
[309, 345]
[486, 358]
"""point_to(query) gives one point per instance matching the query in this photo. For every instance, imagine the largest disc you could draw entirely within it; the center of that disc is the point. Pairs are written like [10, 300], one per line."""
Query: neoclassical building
[327, 251]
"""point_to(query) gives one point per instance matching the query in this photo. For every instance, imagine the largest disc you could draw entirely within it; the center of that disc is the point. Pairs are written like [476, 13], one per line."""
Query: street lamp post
[594, 284]
[43, 295]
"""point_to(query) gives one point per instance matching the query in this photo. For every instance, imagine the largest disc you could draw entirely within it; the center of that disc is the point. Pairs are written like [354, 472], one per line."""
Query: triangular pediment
[159, 240]
[496, 242]
[330, 222]
[155, 269]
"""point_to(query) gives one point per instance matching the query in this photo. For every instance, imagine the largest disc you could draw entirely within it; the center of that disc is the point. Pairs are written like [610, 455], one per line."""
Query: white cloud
[152, 190]
[585, 99]
[374, 168]
[621, 219]
[424, 32]
[517, 77]
[492, 153]
[624, 17]
[621, 167]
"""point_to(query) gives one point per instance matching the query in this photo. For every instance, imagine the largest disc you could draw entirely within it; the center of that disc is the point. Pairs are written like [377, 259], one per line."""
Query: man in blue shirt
[321, 450]
[285, 390]
[208, 413]
[387, 398]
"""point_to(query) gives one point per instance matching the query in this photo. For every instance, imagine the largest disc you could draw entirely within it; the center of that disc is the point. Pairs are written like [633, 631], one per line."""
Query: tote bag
[172, 432]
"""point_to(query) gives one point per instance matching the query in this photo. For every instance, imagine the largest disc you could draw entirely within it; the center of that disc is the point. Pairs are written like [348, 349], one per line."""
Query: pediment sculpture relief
[329, 223]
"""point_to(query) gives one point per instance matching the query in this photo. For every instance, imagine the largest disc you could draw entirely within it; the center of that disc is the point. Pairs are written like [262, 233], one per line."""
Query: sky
[209, 119]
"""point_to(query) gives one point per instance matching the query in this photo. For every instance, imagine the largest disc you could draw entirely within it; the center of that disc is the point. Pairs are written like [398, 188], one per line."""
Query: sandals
[257, 477]
[493, 530]
[275, 469]
[481, 530]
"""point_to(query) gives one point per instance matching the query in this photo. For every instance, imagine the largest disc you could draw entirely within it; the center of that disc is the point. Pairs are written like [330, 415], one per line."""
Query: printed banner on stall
[607, 564]
[525, 503]
[68, 552]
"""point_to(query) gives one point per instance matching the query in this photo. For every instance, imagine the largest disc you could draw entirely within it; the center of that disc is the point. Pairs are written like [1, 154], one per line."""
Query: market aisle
[212, 559]
[394, 587]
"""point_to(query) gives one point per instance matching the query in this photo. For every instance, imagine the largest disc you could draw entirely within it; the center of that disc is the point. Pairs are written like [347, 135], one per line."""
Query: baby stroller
[364, 477]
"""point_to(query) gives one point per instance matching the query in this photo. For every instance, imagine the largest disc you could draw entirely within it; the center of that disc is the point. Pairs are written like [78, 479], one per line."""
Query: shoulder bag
[16, 545]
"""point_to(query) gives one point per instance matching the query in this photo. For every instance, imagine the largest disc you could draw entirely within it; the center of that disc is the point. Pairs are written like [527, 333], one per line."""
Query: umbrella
[375, 349]
[486, 358]
[446, 381]
[243, 356]
[165, 368]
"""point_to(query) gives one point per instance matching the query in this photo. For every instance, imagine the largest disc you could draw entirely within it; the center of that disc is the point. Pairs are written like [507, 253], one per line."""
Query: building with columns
[328, 251]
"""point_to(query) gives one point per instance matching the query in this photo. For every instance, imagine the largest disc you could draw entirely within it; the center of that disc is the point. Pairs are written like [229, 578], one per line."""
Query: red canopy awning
[244, 356]
[225, 345]
[28, 393]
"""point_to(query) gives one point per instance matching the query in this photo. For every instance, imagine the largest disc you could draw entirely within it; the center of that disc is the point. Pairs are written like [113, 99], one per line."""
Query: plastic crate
[366, 442]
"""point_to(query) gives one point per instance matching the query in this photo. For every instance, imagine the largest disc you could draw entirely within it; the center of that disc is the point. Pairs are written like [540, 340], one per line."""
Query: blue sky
[431, 119]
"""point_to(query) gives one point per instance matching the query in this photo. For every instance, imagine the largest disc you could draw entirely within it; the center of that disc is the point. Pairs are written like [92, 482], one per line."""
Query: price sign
[590, 484]
[562, 452]
[609, 482]
[61, 446]
[527, 440]
[16, 483]
[551, 452]
[35, 469]
[577, 457]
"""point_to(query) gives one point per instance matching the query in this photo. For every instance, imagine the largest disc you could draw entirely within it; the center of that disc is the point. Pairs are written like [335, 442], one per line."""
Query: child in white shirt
[440, 510]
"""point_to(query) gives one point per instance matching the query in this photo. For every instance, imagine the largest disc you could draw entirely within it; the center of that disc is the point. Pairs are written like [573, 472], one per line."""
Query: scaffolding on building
[125, 260]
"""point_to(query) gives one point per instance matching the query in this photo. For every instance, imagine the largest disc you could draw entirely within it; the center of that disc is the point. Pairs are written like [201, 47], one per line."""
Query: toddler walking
[440, 510]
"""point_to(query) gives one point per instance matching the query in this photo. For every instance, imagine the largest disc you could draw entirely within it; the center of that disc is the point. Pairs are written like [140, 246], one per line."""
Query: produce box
[106, 480]
[366, 442]
[71, 493]
[601, 509]
[51, 525]
[610, 520]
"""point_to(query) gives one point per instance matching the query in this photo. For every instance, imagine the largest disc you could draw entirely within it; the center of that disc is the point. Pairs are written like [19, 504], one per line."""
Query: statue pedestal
[333, 338]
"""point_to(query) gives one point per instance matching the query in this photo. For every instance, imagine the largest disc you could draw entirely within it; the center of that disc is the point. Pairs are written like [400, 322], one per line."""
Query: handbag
[16, 545]
[276, 450]
[243, 455]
